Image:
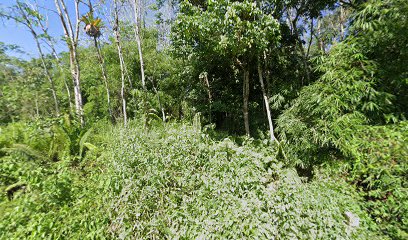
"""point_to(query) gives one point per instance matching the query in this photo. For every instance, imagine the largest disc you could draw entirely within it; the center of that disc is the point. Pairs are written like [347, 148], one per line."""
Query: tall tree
[121, 59]
[266, 100]
[23, 14]
[71, 38]
[239, 31]
[137, 29]
[51, 44]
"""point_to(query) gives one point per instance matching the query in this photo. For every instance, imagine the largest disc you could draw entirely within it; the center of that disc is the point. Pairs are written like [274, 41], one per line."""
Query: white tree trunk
[29, 24]
[136, 7]
[71, 38]
[266, 101]
[50, 43]
[320, 42]
[121, 60]
[342, 21]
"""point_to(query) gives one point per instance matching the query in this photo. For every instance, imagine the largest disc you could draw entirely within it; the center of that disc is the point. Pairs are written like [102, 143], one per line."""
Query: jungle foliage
[192, 156]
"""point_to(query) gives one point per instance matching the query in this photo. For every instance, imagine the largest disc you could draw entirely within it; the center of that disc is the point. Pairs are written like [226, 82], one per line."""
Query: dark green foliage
[342, 98]
[382, 29]
[379, 169]
[340, 115]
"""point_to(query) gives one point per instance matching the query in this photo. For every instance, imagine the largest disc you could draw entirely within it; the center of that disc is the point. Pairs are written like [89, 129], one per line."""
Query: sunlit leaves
[225, 27]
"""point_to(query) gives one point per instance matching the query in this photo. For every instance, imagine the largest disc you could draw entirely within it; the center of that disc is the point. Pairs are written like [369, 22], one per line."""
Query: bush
[379, 169]
[44, 197]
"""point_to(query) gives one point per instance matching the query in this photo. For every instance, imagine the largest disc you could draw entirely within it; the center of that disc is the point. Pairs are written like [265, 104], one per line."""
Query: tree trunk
[55, 54]
[246, 100]
[320, 42]
[26, 21]
[77, 87]
[342, 21]
[207, 84]
[295, 31]
[47, 73]
[310, 38]
[266, 100]
[104, 76]
[71, 39]
[136, 9]
[121, 60]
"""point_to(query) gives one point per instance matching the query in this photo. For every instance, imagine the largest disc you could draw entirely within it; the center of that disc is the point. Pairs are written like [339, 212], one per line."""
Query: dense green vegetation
[222, 120]
[172, 181]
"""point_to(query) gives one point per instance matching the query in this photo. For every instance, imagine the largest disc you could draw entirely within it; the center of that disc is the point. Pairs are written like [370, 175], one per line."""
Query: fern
[83, 139]
[27, 150]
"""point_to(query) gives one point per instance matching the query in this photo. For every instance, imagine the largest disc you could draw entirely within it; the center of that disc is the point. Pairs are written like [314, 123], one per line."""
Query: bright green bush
[46, 197]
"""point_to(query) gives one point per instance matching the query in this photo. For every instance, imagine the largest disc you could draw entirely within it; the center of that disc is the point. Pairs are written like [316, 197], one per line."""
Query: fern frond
[22, 148]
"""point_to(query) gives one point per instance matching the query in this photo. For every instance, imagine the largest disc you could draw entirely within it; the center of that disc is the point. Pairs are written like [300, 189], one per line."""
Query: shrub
[379, 169]
[43, 197]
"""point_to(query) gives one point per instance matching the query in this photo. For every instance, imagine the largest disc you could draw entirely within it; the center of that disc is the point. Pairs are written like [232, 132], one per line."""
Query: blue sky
[13, 33]
[17, 34]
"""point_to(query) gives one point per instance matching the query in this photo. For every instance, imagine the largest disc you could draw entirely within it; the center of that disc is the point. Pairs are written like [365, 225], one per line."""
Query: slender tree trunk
[47, 73]
[295, 31]
[71, 38]
[28, 23]
[77, 87]
[55, 54]
[136, 8]
[207, 84]
[104, 76]
[246, 100]
[74, 42]
[320, 42]
[121, 60]
[341, 22]
[268, 74]
[310, 38]
[266, 100]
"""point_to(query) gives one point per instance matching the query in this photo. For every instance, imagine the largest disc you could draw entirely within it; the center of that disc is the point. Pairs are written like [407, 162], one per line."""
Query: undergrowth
[169, 181]
[175, 182]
